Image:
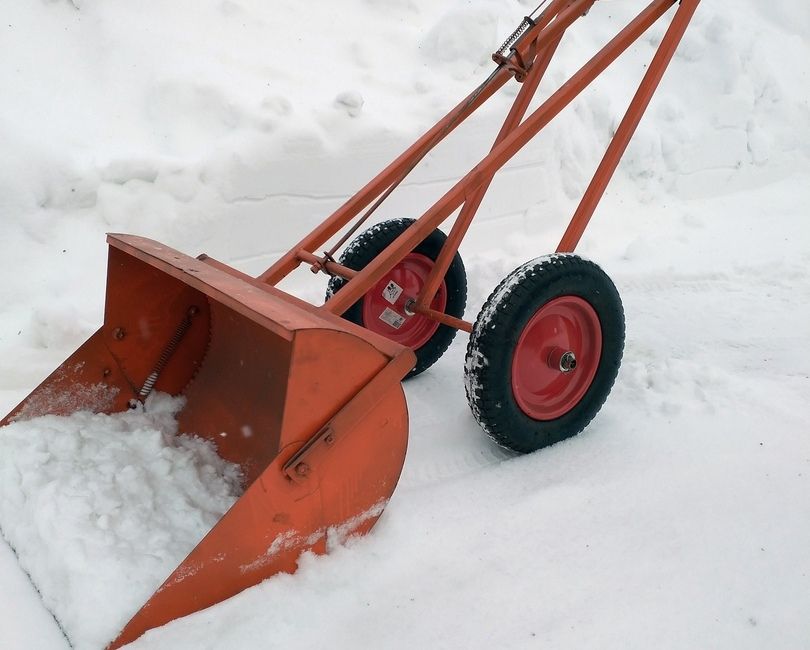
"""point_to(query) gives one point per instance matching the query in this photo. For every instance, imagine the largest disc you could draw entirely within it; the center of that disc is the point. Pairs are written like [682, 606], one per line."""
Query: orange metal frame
[527, 61]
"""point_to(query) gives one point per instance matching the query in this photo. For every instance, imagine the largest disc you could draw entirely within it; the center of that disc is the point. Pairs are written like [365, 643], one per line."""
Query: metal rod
[471, 205]
[444, 319]
[500, 155]
[627, 127]
[332, 267]
[349, 210]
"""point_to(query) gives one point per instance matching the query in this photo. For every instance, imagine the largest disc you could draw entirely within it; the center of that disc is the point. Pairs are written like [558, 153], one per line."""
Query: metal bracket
[297, 468]
[515, 63]
[300, 466]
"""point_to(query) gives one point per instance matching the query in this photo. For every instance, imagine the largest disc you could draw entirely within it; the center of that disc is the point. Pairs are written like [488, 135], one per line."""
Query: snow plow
[307, 399]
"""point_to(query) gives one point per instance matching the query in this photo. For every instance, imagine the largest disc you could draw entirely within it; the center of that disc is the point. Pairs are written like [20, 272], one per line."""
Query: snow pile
[100, 509]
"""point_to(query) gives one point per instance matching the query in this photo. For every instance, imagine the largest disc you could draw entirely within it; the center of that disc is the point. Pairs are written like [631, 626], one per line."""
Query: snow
[678, 519]
[101, 509]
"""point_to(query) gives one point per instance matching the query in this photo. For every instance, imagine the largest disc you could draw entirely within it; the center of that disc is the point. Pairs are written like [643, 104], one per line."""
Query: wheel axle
[563, 360]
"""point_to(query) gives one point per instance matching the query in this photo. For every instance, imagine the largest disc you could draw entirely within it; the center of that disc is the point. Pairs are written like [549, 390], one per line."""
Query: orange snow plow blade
[309, 405]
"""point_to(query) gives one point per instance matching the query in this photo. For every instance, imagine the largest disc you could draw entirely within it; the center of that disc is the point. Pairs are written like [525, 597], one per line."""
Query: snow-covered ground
[679, 519]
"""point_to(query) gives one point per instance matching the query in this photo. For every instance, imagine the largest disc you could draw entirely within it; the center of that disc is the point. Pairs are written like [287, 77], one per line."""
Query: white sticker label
[392, 318]
[391, 292]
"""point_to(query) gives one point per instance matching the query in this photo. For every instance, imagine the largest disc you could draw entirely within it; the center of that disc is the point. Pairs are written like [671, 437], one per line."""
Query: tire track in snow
[445, 469]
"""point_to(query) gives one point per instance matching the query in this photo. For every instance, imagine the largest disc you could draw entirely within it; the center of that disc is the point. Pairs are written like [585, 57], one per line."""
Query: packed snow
[679, 518]
[101, 509]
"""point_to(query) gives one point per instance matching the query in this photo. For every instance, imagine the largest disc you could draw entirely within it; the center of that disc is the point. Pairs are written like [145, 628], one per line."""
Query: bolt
[119, 333]
[302, 469]
[330, 439]
[106, 372]
[193, 310]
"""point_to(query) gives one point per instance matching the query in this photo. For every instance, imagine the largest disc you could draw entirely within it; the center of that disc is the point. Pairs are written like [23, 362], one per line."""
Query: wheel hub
[388, 306]
[556, 357]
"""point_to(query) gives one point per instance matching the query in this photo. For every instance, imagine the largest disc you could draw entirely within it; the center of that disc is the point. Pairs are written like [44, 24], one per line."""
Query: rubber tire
[488, 366]
[370, 243]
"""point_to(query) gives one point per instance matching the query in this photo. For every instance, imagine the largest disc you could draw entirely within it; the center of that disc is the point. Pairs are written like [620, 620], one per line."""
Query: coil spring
[167, 353]
[514, 36]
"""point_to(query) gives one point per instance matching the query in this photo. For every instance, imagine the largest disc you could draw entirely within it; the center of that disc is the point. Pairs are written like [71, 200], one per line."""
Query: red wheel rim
[543, 389]
[382, 306]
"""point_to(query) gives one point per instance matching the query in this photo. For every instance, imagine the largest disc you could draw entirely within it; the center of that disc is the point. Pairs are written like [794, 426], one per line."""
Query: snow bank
[233, 127]
[100, 509]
